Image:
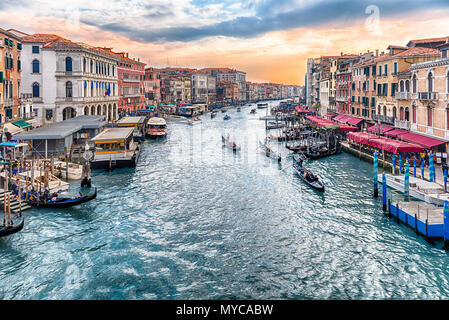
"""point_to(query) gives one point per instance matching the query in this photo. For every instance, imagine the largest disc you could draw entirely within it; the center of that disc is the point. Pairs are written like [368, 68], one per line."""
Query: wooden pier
[16, 207]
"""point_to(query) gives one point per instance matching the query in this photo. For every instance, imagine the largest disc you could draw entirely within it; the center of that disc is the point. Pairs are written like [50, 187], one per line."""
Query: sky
[268, 39]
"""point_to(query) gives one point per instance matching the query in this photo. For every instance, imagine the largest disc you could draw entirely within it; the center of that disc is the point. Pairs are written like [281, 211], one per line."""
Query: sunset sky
[269, 39]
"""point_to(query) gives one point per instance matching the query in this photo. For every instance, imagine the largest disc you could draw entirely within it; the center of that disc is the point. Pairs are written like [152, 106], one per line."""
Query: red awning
[330, 115]
[396, 132]
[383, 143]
[424, 141]
[354, 121]
[339, 116]
[300, 109]
[383, 128]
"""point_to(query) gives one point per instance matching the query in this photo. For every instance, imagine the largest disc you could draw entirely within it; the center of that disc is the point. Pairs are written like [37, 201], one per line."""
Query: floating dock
[426, 219]
[423, 190]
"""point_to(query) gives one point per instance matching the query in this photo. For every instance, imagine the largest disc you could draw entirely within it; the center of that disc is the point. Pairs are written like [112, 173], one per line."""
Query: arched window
[84, 64]
[91, 66]
[447, 118]
[35, 66]
[401, 113]
[407, 114]
[394, 112]
[414, 113]
[415, 83]
[378, 110]
[429, 116]
[68, 89]
[407, 86]
[385, 110]
[401, 86]
[430, 82]
[36, 90]
[68, 64]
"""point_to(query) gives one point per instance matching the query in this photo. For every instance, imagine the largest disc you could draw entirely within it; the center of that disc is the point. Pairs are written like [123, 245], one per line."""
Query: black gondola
[318, 154]
[64, 202]
[17, 225]
[307, 176]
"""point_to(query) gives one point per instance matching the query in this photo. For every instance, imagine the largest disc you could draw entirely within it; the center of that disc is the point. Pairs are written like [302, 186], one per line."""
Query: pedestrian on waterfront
[444, 167]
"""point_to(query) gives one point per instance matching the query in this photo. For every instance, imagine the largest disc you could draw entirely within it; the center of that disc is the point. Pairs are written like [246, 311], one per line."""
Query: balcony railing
[427, 96]
[402, 124]
[341, 99]
[403, 95]
[382, 118]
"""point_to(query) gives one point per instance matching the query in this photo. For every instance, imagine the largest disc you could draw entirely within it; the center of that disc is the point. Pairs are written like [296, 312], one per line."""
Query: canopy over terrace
[380, 129]
[383, 143]
[300, 109]
[424, 141]
[321, 122]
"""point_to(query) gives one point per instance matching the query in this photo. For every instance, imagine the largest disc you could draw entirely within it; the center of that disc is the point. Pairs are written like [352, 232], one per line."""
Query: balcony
[402, 124]
[341, 99]
[331, 110]
[428, 96]
[403, 95]
[382, 118]
[9, 102]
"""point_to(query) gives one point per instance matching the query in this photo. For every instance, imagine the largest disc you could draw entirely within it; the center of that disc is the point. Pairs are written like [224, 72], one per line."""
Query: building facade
[10, 76]
[66, 79]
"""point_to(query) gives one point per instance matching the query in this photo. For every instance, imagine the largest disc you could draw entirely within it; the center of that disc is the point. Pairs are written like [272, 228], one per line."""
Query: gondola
[239, 109]
[226, 117]
[253, 111]
[64, 202]
[229, 144]
[307, 176]
[318, 154]
[269, 153]
[297, 149]
[213, 115]
[17, 222]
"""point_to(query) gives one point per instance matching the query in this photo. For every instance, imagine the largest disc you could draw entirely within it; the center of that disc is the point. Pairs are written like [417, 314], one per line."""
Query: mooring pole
[376, 159]
[384, 192]
[446, 225]
[407, 182]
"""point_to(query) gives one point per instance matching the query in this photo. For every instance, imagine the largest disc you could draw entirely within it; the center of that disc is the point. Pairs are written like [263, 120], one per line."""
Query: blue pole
[384, 192]
[394, 164]
[400, 164]
[430, 167]
[445, 180]
[407, 182]
[446, 224]
[414, 168]
[376, 159]
[422, 169]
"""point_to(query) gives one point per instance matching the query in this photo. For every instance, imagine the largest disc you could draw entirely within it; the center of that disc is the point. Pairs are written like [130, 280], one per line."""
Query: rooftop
[113, 133]
[131, 120]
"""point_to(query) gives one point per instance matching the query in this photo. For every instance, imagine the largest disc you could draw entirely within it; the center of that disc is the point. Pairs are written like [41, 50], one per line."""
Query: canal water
[194, 220]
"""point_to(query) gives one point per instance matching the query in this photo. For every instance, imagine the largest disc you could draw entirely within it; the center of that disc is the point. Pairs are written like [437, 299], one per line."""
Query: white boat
[75, 170]
[115, 148]
[157, 128]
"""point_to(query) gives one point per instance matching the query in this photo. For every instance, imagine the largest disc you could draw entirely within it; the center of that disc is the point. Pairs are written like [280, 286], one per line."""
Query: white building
[199, 88]
[67, 79]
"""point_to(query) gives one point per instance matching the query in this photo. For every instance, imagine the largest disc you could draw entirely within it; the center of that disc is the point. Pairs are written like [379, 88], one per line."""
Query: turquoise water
[196, 221]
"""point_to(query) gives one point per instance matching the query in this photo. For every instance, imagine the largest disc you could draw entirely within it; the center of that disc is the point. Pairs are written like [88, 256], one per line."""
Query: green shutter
[1, 77]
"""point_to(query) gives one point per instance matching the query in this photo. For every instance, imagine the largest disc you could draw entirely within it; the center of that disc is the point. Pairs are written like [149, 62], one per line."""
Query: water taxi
[157, 128]
[262, 105]
[115, 148]
[138, 123]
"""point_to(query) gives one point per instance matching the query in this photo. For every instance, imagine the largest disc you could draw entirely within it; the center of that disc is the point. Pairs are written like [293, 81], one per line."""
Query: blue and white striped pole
[400, 164]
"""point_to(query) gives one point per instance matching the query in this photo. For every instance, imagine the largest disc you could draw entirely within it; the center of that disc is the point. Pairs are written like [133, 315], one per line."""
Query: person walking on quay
[444, 166]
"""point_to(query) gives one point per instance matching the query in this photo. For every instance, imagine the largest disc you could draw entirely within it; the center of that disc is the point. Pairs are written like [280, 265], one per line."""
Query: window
[415, 83]
[401, 86]
[84, 64]
[407, 86]
[68, 64]
[68, 89]
[380, 70]
[48, 114]
[430, 82]
[444, 54]
[35, 49]
[395, 68]
[36, 89]
[429, 116]
[386, 70]
[414, 113]
[36, 66]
